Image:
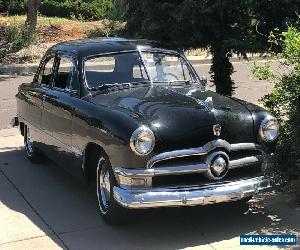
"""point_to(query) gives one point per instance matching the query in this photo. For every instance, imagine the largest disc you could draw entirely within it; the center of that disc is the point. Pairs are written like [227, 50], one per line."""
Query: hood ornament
[208, 103]
[217, 129]
[190, 93]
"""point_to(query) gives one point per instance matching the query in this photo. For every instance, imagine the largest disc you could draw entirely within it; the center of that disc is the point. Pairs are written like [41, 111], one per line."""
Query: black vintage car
[138, 121]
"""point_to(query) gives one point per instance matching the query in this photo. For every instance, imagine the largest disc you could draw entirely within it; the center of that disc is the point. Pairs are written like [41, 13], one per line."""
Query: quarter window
[65, 77]
[45, 74]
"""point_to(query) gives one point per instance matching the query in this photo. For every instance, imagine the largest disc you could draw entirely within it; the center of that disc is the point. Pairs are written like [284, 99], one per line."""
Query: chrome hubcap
[29, 143]
[103, 183]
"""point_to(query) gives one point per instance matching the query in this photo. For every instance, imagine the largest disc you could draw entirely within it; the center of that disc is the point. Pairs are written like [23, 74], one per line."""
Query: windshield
[114, 69]
[167, 68]
[128, 68]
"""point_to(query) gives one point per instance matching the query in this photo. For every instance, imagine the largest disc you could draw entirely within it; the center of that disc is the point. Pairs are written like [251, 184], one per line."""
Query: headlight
[269, 129]
[142, 141]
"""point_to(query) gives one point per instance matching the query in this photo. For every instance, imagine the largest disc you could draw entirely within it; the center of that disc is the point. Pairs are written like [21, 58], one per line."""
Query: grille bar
[204, 150]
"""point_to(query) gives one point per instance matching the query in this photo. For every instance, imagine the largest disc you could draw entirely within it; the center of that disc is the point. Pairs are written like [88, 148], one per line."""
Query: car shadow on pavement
[66, 211]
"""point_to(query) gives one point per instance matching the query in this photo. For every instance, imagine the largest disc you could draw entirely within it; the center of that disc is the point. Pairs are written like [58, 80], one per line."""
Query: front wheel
[111, 212]
[32, 152]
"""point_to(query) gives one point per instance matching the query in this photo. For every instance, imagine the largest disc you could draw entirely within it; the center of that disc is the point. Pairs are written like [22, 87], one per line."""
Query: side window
[45, 74]
[66, 74]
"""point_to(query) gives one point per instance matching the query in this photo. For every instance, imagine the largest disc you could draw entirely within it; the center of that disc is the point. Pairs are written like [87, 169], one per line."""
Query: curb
[18, 69]
[232, 60]
[29, 69]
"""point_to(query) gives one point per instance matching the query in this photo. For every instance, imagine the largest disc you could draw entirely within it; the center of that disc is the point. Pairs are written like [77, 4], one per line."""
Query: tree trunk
[221, 70]
[32, 13]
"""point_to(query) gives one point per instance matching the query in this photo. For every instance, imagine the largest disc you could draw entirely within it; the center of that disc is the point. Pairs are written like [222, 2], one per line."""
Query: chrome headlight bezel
[265, 131]
[136, 138]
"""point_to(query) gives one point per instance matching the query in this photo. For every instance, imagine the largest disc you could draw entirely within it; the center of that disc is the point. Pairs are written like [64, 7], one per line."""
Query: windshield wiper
[175, 81]
[110, 85]
[117, 85]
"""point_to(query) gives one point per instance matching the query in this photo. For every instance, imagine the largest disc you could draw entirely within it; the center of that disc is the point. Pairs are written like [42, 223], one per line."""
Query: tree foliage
[80, 9]
[284, 100]
[224, 27]
[13, 7]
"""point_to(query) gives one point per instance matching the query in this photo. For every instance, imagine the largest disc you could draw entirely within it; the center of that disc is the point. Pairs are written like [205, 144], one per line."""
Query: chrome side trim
[196, 195]
[202, 150]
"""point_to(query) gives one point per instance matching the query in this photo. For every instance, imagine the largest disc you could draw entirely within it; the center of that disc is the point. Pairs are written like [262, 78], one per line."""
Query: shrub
[20, 37]
[80, 9]
[13, 7]
[3, 54]
[284, 100]
[109, 29]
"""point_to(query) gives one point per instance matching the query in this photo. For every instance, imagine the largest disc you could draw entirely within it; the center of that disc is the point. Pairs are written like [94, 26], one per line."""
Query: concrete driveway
[42, 207]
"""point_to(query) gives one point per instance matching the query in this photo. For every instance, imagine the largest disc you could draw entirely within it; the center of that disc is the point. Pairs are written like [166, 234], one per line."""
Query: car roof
[89, 47]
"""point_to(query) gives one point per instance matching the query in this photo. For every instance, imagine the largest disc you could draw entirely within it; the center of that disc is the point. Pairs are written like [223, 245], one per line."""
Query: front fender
[109, 129]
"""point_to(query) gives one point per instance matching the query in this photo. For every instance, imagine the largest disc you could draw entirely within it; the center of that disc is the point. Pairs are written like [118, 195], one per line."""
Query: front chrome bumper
[137, 187]
[195, 195]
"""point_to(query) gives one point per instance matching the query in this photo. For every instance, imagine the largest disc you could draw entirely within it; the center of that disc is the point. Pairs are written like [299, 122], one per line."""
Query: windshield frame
[140, 51]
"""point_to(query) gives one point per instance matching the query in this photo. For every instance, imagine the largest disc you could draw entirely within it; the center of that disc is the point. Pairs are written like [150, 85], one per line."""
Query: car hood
[179, 116]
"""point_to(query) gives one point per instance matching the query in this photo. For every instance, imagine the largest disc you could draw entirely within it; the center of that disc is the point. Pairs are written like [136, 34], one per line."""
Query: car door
[30, 98]
[58, 109]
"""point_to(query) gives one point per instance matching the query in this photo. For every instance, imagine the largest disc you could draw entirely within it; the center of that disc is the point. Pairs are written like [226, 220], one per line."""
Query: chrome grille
[189, 166]
[200, 179]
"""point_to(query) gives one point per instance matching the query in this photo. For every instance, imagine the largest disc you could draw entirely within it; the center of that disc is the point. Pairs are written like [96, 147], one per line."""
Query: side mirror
[203, 81]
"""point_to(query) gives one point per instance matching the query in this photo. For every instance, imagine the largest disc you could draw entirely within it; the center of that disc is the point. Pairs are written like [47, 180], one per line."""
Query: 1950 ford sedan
[138, 121]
